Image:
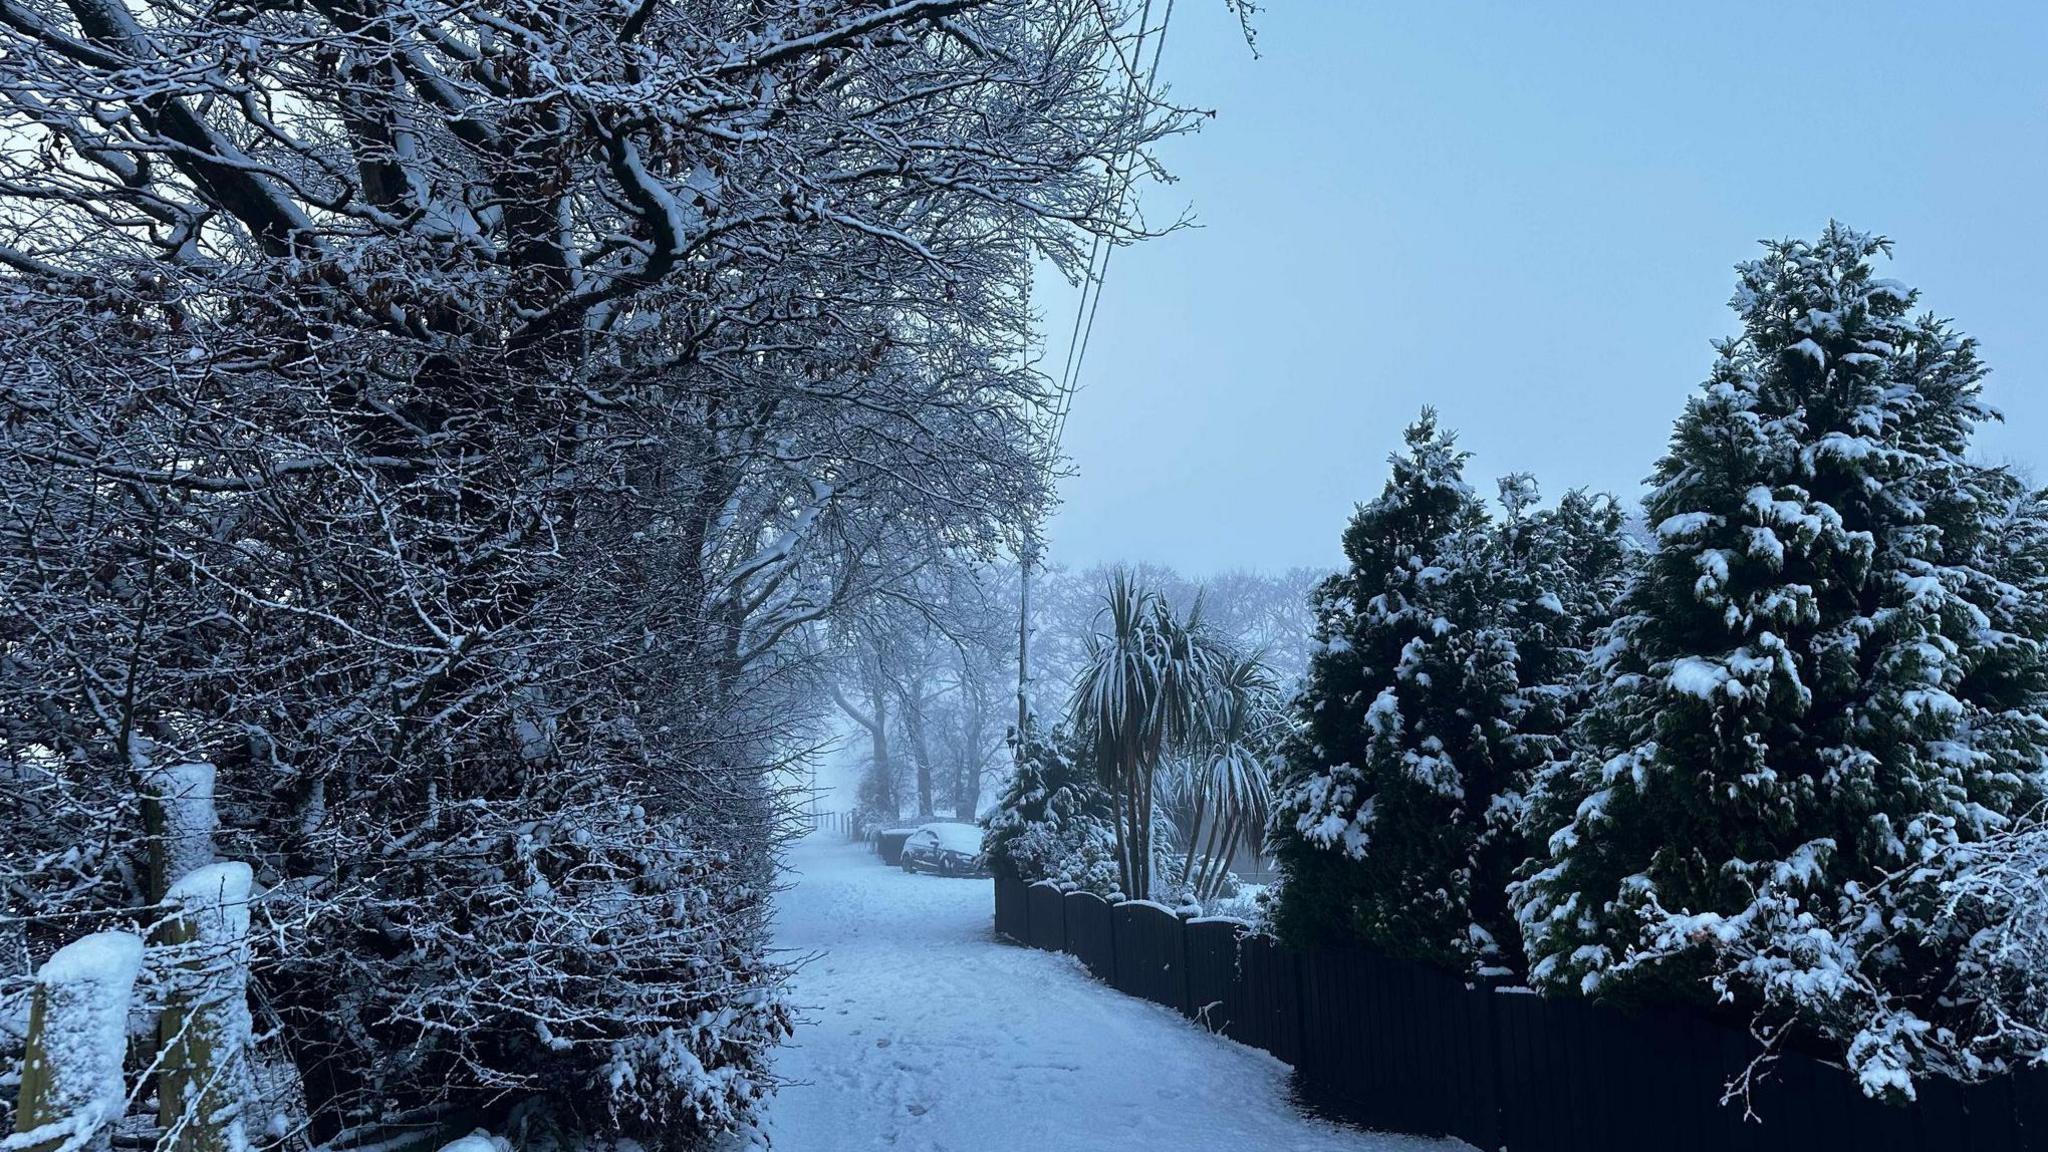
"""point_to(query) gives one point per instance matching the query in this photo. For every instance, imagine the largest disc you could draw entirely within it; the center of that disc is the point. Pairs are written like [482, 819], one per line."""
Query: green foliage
[1148, 689]
[1442, 684]
[1830, 671]
[1052, 821]
[1217, 794]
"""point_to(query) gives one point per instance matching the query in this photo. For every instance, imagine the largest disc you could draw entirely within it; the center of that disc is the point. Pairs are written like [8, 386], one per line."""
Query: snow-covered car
[945, 849]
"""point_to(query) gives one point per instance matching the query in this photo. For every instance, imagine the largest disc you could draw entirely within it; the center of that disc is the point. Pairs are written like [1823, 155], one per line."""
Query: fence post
[71, 1085]
[1013, 901]
[1180, 961]
[178, 820]
[1495, 1129]
[1296, 966]
[204, 1083]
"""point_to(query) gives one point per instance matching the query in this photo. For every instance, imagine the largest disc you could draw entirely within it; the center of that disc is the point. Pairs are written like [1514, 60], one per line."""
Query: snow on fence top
[1232, 920]
[477, 1141]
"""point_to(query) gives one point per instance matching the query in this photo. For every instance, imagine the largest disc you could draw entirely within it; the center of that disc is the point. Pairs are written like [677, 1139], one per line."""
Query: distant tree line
[928, 676]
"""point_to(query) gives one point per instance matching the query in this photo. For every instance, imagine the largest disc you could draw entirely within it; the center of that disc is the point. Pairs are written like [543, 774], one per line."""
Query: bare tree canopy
[454, 422]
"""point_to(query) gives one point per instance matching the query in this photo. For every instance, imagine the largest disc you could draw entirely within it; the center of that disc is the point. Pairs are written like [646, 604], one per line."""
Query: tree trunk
[1141, 880]
[1187, 867]
[876, 721]
[1142, 862]
[920, 751]
[885, 769]
[1119, 811]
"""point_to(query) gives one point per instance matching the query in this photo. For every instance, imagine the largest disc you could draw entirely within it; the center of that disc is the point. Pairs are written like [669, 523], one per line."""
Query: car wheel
[946, 867]
[909, 865]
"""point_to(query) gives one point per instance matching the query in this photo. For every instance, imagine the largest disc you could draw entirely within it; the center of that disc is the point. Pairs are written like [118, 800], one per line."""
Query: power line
[1117, 179]
[1144, 81]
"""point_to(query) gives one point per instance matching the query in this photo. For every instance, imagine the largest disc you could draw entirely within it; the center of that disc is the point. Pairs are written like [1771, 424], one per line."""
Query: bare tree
[931, 644]
[452, 420]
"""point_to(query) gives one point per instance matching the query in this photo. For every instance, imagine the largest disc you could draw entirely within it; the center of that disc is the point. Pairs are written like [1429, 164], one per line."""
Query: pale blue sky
[1526, 215]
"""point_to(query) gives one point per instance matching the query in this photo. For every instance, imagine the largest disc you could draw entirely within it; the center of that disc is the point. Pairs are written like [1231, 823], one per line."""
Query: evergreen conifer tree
[1437, 690]
[1551, 579]
[1052, 820]
[1822, 677]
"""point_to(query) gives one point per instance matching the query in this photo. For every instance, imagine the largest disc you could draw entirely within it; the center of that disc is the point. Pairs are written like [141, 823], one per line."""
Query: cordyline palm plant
[1156, 685]
[1225, 778]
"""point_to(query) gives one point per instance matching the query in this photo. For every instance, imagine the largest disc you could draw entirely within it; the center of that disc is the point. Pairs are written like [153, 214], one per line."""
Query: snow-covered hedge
[453, 422]
[593, 958]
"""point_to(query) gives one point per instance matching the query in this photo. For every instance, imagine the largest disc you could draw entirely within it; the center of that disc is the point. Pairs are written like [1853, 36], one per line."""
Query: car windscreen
[962, 838]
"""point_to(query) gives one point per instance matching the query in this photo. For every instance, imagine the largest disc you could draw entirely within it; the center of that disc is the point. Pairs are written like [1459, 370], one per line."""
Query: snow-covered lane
[923, 1033]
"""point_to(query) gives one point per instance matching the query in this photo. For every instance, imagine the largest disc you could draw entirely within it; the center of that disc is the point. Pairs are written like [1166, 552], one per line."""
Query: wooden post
[1025, 555]
[178, 819]
[71, 1085]
[204, 1082]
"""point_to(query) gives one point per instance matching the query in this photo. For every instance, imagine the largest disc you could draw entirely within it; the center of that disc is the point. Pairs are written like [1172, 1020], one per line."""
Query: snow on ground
[922, 1032]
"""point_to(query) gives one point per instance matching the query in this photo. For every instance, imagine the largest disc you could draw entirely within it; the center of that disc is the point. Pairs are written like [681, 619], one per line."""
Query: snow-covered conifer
[1440, 685]
[1052, 821]
[1822, 677]
[1381, 723]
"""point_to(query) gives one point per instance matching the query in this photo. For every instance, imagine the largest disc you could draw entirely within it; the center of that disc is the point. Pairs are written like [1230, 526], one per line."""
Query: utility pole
[1027, 541]
[1027, 552]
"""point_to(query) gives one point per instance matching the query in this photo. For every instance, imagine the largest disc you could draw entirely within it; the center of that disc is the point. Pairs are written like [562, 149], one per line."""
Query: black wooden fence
[1407, 1048]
